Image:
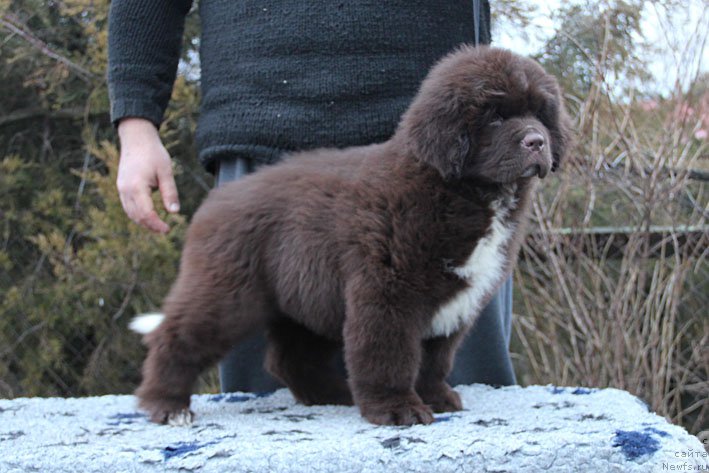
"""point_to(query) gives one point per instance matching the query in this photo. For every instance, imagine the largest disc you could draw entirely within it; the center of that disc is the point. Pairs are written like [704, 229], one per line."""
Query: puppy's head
[488, 114]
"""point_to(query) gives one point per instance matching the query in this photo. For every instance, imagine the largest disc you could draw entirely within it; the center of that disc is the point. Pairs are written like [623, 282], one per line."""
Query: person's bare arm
[144, 165]
[144, 42]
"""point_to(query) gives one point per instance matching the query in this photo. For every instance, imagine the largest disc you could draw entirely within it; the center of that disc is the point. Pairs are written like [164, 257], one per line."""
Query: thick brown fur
[355, 249]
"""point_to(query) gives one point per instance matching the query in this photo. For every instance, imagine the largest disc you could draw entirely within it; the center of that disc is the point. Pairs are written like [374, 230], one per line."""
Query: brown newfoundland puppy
[386, 251]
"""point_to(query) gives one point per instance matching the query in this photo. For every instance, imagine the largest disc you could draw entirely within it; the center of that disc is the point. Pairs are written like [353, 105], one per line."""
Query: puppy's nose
[533, 141]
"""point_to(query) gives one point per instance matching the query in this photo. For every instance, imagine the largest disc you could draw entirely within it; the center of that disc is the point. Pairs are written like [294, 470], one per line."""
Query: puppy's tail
[146, 323]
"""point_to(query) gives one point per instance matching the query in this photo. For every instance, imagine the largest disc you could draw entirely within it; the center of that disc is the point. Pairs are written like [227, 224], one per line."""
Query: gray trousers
[483, 357]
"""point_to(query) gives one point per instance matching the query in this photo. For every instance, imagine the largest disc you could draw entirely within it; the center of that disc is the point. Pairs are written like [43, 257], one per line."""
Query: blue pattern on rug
[126, 418]
[183, 448]
[227, 397]
[560, 390]
[635, 444]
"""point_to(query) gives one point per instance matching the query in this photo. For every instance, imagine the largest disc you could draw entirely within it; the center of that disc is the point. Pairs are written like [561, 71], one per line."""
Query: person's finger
[168, 189]
[124, 201]
[144, 211]
[125, 194]
[152, 222]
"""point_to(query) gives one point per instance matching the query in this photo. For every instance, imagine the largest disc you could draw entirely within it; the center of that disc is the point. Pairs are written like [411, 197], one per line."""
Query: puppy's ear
[434, 130]
[561, 134]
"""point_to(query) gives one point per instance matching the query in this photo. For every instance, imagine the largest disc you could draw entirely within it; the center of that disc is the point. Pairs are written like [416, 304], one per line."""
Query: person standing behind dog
[280, 76]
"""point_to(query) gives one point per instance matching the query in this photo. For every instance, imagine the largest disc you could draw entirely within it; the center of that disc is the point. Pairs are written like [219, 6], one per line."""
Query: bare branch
[7, 23]
[37, 112]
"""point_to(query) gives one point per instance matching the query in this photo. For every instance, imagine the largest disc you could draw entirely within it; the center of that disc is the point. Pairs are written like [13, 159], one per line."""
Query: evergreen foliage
[74, 269]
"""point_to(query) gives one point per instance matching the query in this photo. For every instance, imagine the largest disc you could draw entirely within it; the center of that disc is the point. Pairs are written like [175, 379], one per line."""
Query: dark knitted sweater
[283, 75]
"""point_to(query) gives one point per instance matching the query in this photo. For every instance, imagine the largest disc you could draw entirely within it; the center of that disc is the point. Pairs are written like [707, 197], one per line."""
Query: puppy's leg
[169, 372]
[303, 361]
[383, 352]
[202, 321]
[431, 385]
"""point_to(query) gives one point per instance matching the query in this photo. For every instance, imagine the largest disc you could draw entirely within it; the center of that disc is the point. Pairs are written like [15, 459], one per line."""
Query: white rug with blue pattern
[510, 429]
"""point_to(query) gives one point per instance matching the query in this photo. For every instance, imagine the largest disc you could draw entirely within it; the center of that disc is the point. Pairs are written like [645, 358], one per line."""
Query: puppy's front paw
[443, 399]
[398, 414]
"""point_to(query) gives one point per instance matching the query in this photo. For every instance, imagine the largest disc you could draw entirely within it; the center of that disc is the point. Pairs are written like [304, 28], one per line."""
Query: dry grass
[613, 282]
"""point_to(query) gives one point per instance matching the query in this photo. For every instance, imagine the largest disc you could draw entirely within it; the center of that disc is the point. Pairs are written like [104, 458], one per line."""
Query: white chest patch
[482, 271]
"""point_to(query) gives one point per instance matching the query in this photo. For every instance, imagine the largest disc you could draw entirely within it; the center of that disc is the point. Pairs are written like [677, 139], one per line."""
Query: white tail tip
[146, 323]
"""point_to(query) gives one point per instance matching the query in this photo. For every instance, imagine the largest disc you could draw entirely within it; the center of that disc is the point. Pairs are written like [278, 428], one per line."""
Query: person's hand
[144, 165]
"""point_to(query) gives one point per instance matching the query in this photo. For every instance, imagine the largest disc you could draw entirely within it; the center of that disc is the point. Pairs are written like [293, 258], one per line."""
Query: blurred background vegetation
[612, 288]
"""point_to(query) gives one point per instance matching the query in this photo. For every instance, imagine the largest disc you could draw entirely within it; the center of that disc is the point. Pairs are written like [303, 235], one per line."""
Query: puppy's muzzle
[532, 170]
[538, 162]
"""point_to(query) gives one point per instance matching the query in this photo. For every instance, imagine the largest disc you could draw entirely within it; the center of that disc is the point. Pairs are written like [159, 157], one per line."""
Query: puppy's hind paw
[166, 412]
[181, 418]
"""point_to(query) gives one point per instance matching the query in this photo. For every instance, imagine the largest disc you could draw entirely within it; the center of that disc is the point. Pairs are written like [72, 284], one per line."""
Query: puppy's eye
[496, 121]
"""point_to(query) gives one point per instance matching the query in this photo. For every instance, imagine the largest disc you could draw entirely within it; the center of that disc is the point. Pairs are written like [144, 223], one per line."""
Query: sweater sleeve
[144, 42]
